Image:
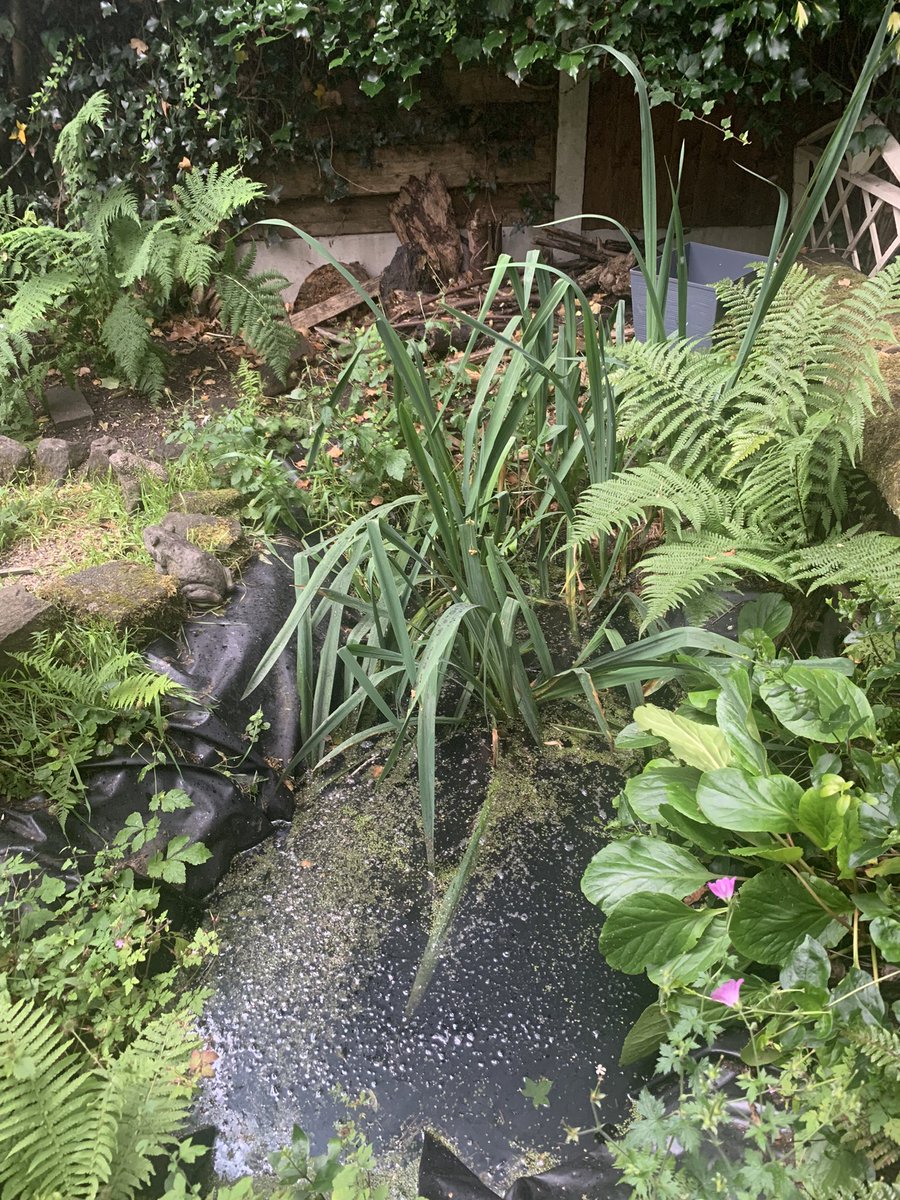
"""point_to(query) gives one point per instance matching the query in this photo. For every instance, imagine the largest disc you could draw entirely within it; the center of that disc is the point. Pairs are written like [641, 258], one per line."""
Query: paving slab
[67, 408]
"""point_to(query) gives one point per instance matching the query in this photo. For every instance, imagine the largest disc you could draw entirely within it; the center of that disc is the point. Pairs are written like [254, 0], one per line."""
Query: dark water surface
[322, 931]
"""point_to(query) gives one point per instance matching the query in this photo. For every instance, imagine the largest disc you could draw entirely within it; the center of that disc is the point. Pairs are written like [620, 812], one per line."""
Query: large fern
[85, 1130]
[759, 476]
[99, 282]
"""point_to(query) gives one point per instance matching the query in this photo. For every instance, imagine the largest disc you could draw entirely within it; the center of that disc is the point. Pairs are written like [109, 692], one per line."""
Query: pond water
[322, 930]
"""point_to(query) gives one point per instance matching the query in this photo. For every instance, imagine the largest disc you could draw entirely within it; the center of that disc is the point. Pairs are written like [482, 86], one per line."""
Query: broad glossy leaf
[661, 782]
[780, 854]
[641, 864]
[774, 913]
[885, 933]
[632, 737]
[735, 799]
[645, 1036]
[701, 834]
[821, 818]
[686, 968]
[734, 714]
[807, 964]
[771, 613]
[818, 704]
[648, 928]
[696, 745]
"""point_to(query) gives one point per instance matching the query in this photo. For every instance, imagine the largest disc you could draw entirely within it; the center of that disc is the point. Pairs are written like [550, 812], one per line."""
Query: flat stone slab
[67, 407]
[22, 615]
[124, 594]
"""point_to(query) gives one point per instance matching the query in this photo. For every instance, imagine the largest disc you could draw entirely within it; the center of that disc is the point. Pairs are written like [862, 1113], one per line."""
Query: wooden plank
[457, 163]
[369, 214]
[328, 309]
[480, 86]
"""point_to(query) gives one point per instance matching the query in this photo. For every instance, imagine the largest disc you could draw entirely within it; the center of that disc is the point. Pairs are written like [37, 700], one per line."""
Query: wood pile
[436, 268]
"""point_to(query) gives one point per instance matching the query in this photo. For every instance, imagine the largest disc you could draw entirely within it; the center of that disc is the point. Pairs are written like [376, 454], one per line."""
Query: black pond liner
[214, 658]
[304, 1004]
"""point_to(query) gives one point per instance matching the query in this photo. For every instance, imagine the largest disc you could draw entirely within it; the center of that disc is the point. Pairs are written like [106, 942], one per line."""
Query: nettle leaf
[774, 912]
[696, 745]
[648, 928]
[818, 704]
[734, 714]
[735, 799]
[885, 933]
[661, 782]
[537, 1091]
[641, 864]
[807, 964]
[645, 1036]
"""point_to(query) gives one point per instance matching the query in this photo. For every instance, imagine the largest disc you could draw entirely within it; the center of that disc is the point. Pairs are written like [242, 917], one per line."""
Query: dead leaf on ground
[376, 772]
[307, 864]
[334, 452]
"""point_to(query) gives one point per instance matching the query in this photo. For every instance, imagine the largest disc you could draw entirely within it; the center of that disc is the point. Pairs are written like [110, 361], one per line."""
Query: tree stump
[422, 216]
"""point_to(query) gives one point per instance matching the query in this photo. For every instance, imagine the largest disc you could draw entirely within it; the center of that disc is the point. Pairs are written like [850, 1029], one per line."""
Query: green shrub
[773, 809]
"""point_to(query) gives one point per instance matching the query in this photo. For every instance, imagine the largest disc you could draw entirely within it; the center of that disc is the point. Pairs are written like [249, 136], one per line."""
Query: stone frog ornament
[200, 576]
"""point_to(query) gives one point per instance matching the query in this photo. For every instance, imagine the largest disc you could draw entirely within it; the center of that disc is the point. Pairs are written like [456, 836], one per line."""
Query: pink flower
[724, 887]
[728, 993]
[120, 942]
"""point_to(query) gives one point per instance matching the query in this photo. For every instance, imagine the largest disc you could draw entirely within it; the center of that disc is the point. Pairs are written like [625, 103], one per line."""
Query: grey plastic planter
[706, 265]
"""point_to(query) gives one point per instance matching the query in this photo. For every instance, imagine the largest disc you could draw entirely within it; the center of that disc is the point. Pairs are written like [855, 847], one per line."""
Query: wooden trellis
[860, 218]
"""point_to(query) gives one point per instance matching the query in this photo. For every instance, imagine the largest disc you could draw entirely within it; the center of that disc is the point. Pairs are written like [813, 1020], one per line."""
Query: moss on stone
[214, 501]
[125, 595]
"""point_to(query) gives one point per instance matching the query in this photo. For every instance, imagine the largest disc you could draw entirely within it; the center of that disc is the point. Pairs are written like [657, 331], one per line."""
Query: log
[318, 314]
[422, 216]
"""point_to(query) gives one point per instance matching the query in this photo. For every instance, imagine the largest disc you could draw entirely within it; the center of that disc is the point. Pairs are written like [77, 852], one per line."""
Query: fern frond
[127, 339]
[140, 689]
[154, 1100]
[154, 258]
[117, 204]
[626, 499]
[36, 298]
[202, 203]
[251, 306]
[869, 560]
[69, 153]
[679, 571]
[57, 1124]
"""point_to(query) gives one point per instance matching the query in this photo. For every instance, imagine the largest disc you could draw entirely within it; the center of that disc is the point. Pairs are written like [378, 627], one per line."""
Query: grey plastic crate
[706, 265]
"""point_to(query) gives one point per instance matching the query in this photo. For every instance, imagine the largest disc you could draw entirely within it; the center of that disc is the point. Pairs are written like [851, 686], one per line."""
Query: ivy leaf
[537, 1091]
[641, 864]
[808, 964]
[648, 928]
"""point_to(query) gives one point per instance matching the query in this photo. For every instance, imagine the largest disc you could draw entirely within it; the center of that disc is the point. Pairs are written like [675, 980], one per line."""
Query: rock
[22, 615]
[67, 407]
[212, 500]
[14, 459]
[212, 533]
[98, 456]
[130, 470]
[54, 458]
[125, 595]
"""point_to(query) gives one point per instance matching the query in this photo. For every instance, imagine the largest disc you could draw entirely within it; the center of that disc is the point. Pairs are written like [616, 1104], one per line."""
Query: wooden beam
[327, 310]
[458, 164]
[571, 148]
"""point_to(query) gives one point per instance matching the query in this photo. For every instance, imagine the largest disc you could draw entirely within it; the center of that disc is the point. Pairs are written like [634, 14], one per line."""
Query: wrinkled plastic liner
[233, 805]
